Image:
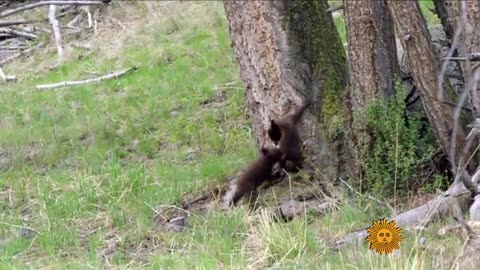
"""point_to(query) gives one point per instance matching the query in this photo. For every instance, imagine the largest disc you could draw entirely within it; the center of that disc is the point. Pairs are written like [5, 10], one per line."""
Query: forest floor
[86, 168]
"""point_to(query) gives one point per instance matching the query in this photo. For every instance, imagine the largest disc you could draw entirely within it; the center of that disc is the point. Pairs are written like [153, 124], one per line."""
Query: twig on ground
[6, 77]
[89, 17]
[113, 75]
[10, 23]
[18, 227]
[12, 48]
[75, 21]
[13, 11]
[44, 30]
[86, 46]
[14, 32]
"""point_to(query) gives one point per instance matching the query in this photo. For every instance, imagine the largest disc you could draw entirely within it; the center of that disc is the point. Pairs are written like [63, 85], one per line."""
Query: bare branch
[17, 22]
[113, 75]
[14, 32]
[23, 21]
[474, 57]
[89, 16]
[12, 48]
[9, 12]
[56, 32]
[74, 22]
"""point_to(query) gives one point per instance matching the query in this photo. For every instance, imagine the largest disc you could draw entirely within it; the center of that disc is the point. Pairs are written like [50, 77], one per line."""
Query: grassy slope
[89, 163]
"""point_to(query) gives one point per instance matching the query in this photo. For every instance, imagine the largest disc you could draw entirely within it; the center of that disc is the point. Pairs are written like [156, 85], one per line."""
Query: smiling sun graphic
[384, 236]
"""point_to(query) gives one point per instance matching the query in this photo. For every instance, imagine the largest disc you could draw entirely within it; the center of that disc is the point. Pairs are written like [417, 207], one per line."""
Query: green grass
[86, 165]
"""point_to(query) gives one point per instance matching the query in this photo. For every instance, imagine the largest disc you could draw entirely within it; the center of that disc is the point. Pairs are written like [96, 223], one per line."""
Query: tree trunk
[415, 40]
[441, 10]
[372, 61]
[289, 51]
[465, 20]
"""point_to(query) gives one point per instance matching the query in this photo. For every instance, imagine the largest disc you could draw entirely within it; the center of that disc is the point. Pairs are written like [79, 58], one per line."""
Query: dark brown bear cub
[284, 132]
[256, 174]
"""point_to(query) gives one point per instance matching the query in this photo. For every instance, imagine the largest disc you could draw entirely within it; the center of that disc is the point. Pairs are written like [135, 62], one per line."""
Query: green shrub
[391, 161]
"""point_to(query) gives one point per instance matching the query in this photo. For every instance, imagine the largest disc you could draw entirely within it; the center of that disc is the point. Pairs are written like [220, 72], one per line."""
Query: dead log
[13, 11]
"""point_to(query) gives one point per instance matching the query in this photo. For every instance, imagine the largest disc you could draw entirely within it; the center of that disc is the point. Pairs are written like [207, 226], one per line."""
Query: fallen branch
[56, 32]
[10, 23]
[23, 21]
[12, 48]
[13, 11]
[418, 216]
[6, 77]
[113, 75]
[18, 33]
[74, 22]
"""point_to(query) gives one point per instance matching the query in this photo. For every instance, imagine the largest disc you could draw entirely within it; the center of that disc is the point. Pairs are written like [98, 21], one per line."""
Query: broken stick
[14, 32]
[113, 75]
[6, 77]
[56, 32]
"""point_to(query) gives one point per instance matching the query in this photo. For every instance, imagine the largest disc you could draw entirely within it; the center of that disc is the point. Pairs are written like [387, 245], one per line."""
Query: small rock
[422, 242]
[177, 224]
[27, 233]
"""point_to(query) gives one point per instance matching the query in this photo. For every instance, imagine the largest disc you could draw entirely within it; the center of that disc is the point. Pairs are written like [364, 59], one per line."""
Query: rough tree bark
[441, 10]
[289, 51]
[415, 39]
[464, 18]
[372, 63]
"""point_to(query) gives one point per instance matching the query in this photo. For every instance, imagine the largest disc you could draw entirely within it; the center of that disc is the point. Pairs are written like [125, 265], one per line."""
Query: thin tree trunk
[441, 10]
[290, 51]
[372, 61]
[415, 39]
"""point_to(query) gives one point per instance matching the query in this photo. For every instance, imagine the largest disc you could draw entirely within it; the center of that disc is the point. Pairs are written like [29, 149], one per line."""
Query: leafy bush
[400, 144]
